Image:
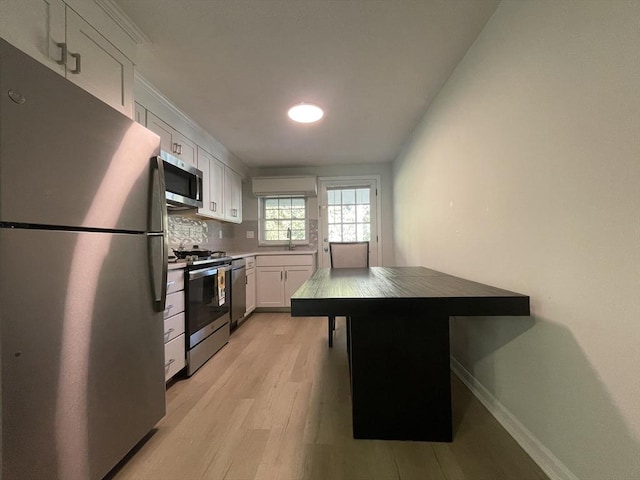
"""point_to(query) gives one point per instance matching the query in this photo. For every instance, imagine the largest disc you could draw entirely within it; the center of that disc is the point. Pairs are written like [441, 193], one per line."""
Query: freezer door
[82, 352]
[68, 159]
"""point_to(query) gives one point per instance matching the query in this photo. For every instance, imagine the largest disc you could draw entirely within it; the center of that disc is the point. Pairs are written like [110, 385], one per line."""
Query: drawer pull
[169, 332]
[168, 364]
[169, 307]
[170, 283]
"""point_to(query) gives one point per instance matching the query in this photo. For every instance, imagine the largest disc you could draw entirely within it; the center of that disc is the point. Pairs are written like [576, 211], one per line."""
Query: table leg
[401, 388]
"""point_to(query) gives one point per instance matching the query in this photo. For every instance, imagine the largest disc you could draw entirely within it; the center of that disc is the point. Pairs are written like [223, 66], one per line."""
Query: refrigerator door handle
[157, 239]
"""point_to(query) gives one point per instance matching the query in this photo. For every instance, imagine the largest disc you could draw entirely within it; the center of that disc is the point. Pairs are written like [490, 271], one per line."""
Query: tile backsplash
[187, 230]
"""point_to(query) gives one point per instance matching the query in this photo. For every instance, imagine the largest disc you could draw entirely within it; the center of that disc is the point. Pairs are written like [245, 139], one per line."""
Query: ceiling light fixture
[305, 113]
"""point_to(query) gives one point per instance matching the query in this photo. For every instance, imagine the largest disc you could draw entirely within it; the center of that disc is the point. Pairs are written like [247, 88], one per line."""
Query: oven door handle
[208, 271]
[203, 272]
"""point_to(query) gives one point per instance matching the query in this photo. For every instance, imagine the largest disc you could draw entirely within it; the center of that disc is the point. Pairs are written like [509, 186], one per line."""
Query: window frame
[262, 241]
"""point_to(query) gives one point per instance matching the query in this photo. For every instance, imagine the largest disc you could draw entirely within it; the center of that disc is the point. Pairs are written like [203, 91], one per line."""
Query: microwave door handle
[158, 245]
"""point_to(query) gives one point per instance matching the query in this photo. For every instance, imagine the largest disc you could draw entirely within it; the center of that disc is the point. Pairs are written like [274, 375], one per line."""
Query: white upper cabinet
[55, 35]
[232, 196]
[140, 114]
[36, 27]
[213, 196]
[222, 197]
[216, 188]
[98, 67]
[172, 141]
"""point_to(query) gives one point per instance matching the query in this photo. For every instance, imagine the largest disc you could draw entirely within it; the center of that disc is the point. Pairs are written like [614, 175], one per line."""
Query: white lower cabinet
[251, 285]
[270, 282]
[294, 277]
[174, 336]
[174, 360]
[175, 304]
[279, 276]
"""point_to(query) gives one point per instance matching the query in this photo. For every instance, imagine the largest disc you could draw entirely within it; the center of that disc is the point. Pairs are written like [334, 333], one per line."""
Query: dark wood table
[398, 341]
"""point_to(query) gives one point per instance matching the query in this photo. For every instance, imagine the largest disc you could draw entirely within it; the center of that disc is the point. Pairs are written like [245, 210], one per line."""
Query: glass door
[348, 213]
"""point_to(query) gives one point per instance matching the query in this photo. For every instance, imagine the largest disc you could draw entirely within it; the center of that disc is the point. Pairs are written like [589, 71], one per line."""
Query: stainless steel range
[208, 292]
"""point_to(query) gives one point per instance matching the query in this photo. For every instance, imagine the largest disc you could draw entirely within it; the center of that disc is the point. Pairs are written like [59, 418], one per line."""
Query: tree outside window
[281, 214]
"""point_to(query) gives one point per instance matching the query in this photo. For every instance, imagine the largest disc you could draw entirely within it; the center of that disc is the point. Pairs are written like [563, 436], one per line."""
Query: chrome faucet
[291, 245]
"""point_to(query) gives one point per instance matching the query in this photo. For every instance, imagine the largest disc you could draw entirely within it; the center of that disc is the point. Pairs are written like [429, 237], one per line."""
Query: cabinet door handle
[78, 63]
[174, 148]
[280, 275]
[286, 275]
[212, 206]
[63, 53]
[179, 149]
[215, 206]
[168, 364]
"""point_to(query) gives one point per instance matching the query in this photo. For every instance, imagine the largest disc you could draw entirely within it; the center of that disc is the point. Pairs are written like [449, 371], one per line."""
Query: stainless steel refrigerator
[82, 270]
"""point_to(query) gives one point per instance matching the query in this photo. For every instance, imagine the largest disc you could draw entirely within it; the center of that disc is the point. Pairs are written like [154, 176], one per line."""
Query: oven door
[208, 291]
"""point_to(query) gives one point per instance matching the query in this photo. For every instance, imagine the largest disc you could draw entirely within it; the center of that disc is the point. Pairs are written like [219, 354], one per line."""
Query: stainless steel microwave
[183, 182]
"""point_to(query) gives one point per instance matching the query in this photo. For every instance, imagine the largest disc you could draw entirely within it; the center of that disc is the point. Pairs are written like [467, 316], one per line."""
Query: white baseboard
[540, 454]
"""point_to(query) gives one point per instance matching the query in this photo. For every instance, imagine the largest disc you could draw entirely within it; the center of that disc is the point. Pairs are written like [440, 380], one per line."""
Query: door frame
[348, 181]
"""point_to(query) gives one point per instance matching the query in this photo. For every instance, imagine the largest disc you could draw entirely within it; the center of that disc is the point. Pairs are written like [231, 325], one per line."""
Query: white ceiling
[374, 66]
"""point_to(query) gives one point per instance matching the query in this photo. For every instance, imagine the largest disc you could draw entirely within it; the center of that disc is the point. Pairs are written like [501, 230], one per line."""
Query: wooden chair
[346, 255]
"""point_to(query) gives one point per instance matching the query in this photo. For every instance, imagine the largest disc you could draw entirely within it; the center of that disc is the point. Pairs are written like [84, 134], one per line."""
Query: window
[349, 214]
[282, 215]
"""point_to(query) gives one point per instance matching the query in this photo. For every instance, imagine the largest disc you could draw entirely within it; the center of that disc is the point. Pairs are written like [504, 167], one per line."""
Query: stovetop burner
[200, 258]
[196, 253]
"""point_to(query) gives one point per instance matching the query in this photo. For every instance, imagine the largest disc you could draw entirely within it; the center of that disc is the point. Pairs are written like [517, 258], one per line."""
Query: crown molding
[161, 98]
[212, 145]
[123, 21]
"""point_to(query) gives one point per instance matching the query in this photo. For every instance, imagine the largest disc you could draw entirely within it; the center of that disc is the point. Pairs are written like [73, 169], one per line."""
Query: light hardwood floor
[274, 405]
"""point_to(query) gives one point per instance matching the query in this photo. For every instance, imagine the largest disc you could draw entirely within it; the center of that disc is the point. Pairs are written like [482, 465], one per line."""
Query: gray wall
[525, 174]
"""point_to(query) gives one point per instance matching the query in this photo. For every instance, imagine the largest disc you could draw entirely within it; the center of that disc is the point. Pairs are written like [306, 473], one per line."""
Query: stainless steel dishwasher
[238, 291]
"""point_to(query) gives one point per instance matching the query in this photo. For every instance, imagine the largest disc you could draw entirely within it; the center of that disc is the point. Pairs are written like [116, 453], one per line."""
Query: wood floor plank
[274, 404]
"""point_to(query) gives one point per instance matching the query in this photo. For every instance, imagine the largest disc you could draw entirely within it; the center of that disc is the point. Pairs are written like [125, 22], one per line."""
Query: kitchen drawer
[175, 304]
[173, 326]
[284, 260]
[174, 357]
[251, 262]
[175, 280]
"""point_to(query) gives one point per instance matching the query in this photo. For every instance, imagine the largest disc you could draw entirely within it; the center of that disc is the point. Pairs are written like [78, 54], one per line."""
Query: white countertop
[234, 255]
[300, 251]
